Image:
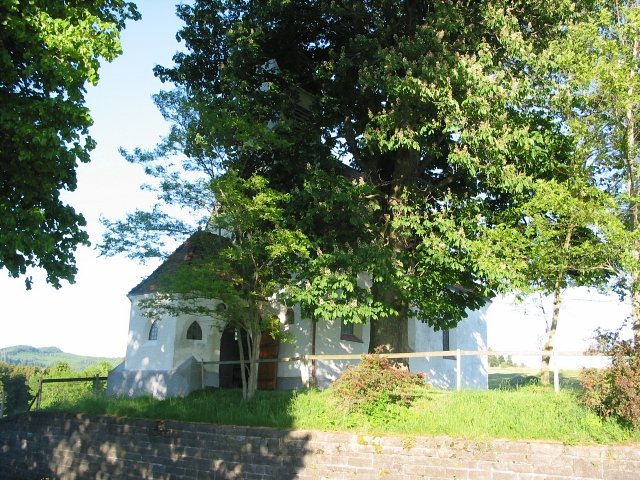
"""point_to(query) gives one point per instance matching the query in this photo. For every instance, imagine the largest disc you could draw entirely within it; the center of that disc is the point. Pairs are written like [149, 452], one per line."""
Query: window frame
[194, 327]
[446, 344]
[153, 332]
[290, 317]
[348, 332]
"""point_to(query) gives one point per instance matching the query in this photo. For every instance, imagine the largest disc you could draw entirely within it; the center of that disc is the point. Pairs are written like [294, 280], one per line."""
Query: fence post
[39, 394]
[458, 371]
[307, 370]
[556, 374]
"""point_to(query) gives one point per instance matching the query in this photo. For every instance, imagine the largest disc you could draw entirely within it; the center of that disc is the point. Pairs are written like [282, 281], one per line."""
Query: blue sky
[91, 317]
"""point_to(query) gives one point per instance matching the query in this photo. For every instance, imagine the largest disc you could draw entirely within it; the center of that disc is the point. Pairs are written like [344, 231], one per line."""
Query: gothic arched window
[194, 332]
[153, 331]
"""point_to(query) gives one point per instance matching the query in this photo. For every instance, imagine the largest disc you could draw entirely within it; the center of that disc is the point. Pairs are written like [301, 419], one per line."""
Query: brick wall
[64, 446]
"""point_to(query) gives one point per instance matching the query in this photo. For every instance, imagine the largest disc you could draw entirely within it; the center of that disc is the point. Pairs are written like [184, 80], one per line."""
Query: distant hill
[48, 357]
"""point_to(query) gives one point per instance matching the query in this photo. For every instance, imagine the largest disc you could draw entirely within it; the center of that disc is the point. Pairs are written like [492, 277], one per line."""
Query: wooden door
[267, 372]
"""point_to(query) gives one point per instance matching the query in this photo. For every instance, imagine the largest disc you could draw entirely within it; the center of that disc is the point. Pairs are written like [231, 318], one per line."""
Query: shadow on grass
[514, 381]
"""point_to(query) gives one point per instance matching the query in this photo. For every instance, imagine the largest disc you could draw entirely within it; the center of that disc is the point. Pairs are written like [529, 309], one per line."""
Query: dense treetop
[416, 141]
[49, 51]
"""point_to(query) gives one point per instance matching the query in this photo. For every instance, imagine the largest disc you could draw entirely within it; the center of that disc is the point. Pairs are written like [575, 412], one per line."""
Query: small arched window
[220, 309]
[153, 331]
[194, 332]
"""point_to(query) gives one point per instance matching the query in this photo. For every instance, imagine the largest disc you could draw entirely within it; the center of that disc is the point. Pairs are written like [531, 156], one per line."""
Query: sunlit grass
[530, 412]
[507, 377]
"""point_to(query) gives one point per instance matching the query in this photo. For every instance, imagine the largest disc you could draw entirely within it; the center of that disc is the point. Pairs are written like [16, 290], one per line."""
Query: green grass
[269, 409]
[506, 378]
[530, 412]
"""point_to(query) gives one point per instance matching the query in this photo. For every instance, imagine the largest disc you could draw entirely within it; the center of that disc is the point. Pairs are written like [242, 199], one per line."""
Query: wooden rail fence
[458, 354]
[38, 398]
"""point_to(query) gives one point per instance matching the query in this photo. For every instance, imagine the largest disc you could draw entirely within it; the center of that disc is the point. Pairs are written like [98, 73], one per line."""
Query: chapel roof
[200, 245]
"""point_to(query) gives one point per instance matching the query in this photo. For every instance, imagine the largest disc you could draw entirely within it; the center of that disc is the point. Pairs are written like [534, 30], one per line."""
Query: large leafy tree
[432, 105]
[244, 264]
[598, 93]
[567, 236]
[569, 229]
[48, 53]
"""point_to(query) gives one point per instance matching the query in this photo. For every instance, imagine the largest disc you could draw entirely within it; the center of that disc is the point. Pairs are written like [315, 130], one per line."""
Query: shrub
[14, 379]
[68, 392]
[615, 391]
[375, 384]
[501, 361]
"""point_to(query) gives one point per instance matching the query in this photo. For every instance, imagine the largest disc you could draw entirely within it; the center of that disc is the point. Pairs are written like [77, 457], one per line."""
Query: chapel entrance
[230, 375]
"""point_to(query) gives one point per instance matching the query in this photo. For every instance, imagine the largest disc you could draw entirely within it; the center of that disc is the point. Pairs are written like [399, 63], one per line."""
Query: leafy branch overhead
[49, 51]
[243, 265]
[408, 140]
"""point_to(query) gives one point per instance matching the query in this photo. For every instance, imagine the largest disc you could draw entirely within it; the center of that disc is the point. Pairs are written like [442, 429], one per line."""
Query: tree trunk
[551, 335]
[635, 306]
[391, 332]
[254, 356]
[243, 364]
[557, 301]
[249, 364]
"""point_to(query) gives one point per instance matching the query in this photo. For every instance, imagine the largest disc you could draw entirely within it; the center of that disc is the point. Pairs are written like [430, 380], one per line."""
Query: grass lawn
[529, 412]
[515, 377]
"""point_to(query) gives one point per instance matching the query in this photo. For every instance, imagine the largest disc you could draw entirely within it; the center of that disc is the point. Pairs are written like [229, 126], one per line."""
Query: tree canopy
[48, 53]
[597, 92]
[434, 106]
[243, 260]
[413, 138]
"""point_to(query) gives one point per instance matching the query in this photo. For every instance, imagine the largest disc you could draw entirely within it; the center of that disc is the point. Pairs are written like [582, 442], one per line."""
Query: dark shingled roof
[200, 245]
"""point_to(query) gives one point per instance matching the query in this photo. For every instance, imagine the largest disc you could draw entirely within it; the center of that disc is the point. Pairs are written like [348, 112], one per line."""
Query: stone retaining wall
[64, 446]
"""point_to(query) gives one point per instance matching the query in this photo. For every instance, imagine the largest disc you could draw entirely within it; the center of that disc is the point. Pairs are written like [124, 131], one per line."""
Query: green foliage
[338, 218]
[3, 400]
[501, 361]
[597, 94]
[49, 51]
[244, 266]
[526, 413]
[615, 391]
[65, 392]
[566, 235]
[401, 132]
[375, 386]
[15, 385]
[48, 356]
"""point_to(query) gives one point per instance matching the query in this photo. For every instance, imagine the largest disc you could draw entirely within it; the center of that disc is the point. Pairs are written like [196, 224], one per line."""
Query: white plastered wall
[328, 342]
[300, 333]
[171, 347]
[207, 349]
[470, 334]
[145, 354]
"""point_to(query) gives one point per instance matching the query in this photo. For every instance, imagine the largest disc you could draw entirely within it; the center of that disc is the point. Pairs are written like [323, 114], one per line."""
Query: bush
[501, 361]
[68, 392]
[374, 384]
[615, 391]
[14, 379]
